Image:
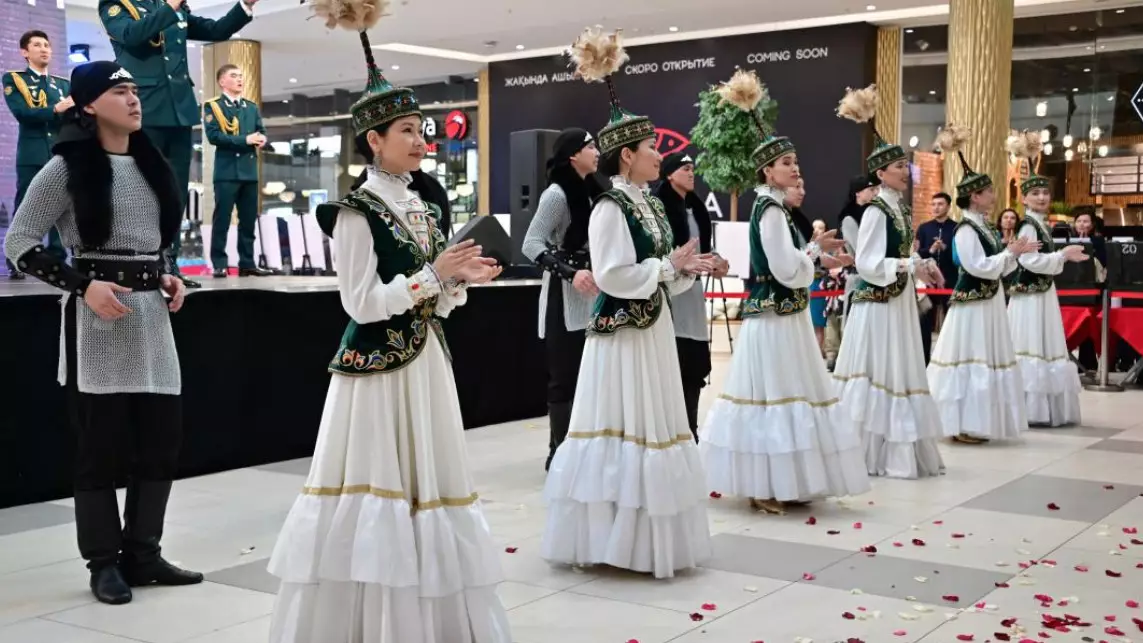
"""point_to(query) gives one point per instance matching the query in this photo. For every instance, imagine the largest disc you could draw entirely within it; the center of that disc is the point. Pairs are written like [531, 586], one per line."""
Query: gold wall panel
[247, 54]
[484, 144]
[979, 86]
[889, 83]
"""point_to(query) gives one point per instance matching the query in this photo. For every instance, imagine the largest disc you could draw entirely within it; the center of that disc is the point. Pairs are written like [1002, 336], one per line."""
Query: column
[247, 54]
[889, 83]
[979, 86]
[484, 144]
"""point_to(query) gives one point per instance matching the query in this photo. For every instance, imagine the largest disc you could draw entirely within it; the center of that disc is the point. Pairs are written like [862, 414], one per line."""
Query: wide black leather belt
[136, 275]
[578, 259]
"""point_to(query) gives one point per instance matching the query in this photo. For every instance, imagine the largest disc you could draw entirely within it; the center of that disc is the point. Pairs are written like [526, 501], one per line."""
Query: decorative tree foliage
[726, 135]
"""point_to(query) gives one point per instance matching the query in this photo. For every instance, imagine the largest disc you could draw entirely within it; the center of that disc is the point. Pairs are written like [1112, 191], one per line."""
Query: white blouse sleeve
[363, 295]
[975, 262]
[613, 262]
[792, 268]
[1041, 263]
[872, 241]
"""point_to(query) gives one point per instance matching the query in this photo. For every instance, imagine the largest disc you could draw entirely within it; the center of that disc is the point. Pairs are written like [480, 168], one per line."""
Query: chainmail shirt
[135, 353]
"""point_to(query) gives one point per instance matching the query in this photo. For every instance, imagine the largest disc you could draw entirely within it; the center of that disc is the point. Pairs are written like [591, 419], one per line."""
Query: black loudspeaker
[527, 165]
[487, 232]
[1125, 265]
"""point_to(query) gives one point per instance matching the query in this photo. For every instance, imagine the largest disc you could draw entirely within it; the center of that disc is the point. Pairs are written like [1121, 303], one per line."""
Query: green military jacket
[767, 294]
[969, 287]
[32, 99]
[1025, 281]
[392, 344]
[149, 39]
[612, 313]
[227, 123]
[898, 245]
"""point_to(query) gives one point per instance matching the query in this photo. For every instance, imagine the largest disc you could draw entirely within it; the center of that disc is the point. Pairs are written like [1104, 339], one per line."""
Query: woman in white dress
[972, 373]
[1051, 383]
[387, 542]
[776, 433]
[626, 488]
[880, 371]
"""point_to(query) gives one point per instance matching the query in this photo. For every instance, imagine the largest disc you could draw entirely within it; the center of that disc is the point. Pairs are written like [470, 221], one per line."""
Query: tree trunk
[734, 205]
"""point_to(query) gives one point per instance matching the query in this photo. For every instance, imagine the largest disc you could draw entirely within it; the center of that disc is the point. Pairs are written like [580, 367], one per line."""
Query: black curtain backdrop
[807, 71]
[254, 378]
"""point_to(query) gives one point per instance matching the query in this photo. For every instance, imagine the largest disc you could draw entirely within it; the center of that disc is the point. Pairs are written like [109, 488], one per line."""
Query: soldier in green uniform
[149, 38]
[234, 126]
[38, 101]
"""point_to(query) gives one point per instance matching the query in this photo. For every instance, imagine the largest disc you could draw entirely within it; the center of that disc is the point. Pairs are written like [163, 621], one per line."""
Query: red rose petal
[958, 535]
[918, 542]
[965, 637]
[1001, 636]
[1122, 546]
[1136, 541]
[848, 616]
[952, 598]
[1110, 618]
[1008, 622]
[1113, 574]
[1108, 486]
[1130, 530]
[811, 521]
[633, 641]
[1003, 585]
[869, 549]
[1133, 604]
[1138, 565]
[938, 522]
[898, 544]
[808, 576]
[1044, 598]
[1114, 631]
[900, 633]
[1048, 562]
[510, 550]
[1053, 506]
[696, 617]
[716, 495]
[857, 525]
[833, 532]
[710, 607]
[1082, 568]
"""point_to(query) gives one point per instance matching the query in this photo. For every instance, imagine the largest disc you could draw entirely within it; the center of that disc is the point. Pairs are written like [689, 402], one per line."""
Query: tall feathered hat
[1027, 145]
[596, 57]
[952, 139]
[860, 106]
[382, 102]
[745, 92]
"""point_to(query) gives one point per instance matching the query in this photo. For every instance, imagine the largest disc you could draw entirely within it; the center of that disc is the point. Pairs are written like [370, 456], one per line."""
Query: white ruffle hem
[973, 375]
[881, 381]
[777, 430]
[1051, 381]
[387, 542]
[627, 488]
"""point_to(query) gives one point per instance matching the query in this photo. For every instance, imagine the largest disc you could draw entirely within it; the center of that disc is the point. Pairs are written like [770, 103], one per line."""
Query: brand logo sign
[669, 141]
[456, 125]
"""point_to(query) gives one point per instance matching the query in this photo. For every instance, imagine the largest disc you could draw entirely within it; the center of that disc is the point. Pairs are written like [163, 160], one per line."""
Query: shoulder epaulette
[66, 80]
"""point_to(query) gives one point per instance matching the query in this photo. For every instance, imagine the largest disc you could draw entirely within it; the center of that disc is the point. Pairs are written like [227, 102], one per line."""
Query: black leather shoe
[108, 586]
[254, 272]
[220, 274]
[15, 276]
[191, 284]
[158, 572]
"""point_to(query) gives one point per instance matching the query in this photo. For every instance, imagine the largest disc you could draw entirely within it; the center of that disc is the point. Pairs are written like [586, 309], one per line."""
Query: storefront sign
[663, 81]
[456, 125]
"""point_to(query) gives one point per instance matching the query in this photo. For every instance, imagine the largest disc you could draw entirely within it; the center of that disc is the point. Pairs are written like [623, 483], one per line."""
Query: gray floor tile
[770, 558]
[1080, 500]
[14, 520]
[252, 575]
[911, 579]
[300, 467]
[1122, 446]
[1080, 431]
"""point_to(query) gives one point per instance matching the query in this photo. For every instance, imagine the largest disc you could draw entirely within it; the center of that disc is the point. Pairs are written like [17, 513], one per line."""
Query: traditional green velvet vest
[1025, 281]
[611, 313]
[969, 287]
[766, 293]
[392, 344]
[898, 245]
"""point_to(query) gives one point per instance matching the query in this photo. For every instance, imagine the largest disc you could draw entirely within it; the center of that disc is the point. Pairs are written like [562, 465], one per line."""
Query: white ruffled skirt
[881, 381]
[973, 374]
[1051, 381]
[627, 488]
[387, 542]
[777, 430]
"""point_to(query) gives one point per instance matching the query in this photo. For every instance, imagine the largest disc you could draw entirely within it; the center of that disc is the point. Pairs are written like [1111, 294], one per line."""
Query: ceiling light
[1042, 108]
[1095, 133]
[1068, 140]
[293, 80]
[1120, 10]
[1068, 155]
[1075, 89]
[395, 67]
[1103, 150]
[1086, 69]
[908, 31]
[476, 80]
[913, 141]
[519, 47]
[287, 101]
[1048, 149]
[1111, 98]
[932, 92]
[1045, 135]
[870, 7]
[672, 29]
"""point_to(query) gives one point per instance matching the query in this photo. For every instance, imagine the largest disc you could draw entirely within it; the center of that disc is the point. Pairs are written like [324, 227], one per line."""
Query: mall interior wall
[806, 71]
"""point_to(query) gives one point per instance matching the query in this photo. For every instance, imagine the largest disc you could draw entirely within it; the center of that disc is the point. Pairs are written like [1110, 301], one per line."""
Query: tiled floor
[955, 556]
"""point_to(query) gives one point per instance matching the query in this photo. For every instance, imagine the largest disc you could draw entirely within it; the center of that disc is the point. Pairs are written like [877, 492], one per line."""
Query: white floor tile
[574, 618]
[41, 631]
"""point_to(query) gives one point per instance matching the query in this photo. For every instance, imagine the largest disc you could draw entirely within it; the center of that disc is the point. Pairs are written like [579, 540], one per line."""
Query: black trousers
[564, 347]
[227, 196]
[929, 322]
[176, 144]
[131, 438]
[694, 364]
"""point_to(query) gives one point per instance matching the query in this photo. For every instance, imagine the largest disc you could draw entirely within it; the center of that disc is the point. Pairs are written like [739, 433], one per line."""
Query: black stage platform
[254, 353]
